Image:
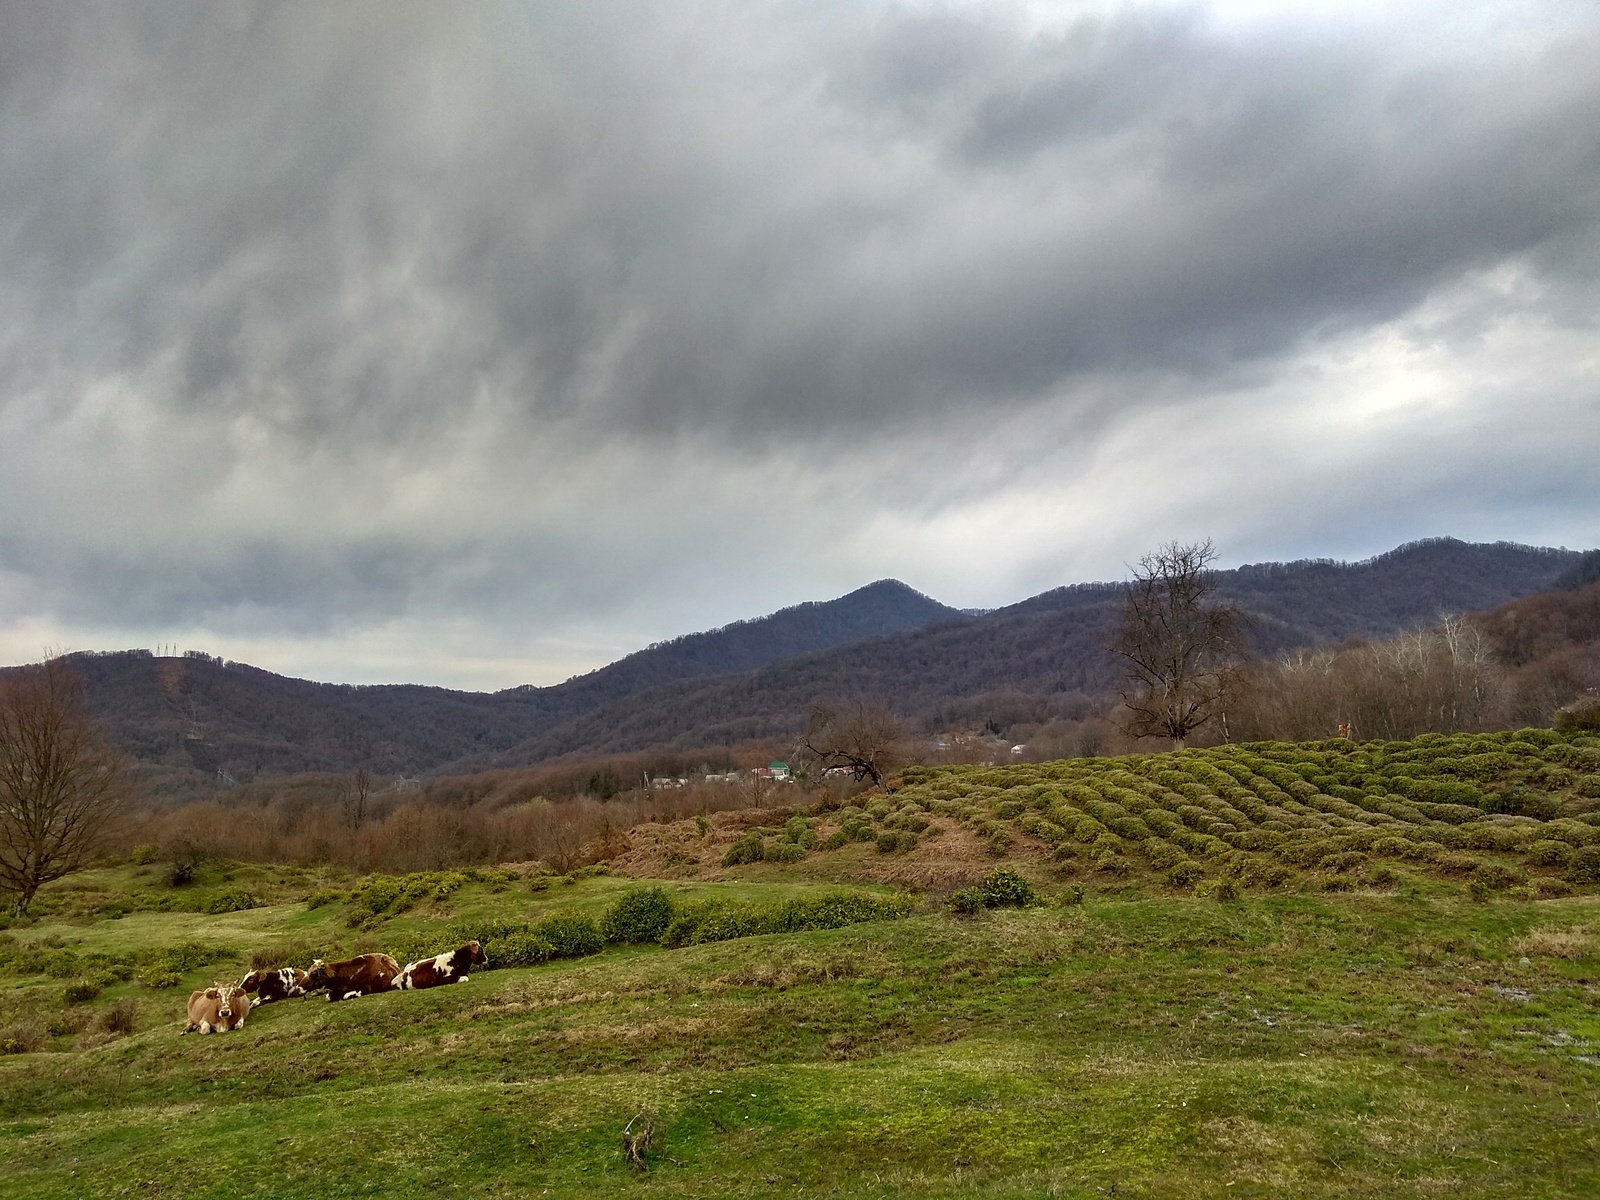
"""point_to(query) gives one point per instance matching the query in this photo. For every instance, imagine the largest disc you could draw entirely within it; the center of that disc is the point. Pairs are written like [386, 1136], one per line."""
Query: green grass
[1408, 1040]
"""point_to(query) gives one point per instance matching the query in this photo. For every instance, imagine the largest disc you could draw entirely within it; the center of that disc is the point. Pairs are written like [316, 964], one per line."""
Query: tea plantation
[1330, 969]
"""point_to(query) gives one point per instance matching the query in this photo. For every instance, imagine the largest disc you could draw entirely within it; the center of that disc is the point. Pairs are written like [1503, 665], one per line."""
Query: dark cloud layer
[317, 317]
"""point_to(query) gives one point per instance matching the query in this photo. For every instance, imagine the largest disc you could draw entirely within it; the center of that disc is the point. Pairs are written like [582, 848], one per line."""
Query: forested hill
[195, 717]
[1047, 655]
[887, 606]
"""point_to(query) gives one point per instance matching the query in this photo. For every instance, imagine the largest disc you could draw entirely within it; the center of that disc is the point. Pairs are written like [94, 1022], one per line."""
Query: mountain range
[197, 718]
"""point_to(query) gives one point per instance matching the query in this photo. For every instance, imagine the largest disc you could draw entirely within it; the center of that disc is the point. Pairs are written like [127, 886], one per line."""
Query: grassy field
[1426, 1024]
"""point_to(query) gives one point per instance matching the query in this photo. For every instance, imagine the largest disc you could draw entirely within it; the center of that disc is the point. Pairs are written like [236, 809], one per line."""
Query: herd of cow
[224, 1006]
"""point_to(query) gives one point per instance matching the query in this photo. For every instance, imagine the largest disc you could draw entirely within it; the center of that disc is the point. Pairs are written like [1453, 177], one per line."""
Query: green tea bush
[1216, 889]
[967, 901]
[159, 975]
[748, 849]
[144, 855]
[326, 896]
[227, 901]
[1347, 860]
[1549, 853]
[1185, 874]
[783, 852]
[570, 934]
[1006, 888]
[718, 920]
[380, 896]
[1070, 895]
[1584, 866]
[1498, 876]
[81, 991]
[639, 915]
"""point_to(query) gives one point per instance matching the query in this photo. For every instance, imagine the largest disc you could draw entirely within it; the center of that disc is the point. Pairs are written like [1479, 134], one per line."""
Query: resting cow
[352, 977]
[217, 1009]
[279, 984]
[441, 968]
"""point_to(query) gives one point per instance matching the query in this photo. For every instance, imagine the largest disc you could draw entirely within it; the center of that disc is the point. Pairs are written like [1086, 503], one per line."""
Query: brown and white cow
[278, 984]
[352, 977]
[217, 1009]
[451, 967]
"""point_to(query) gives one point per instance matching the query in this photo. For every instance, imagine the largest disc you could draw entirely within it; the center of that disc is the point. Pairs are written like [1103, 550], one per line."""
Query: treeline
[1525, 663]
[563, 815]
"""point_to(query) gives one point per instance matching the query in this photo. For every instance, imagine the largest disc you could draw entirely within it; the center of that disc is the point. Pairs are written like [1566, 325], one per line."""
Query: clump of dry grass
[1577, 942]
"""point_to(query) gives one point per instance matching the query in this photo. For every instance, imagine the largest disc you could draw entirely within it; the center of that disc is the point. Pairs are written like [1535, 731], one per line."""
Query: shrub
[1071, 894]
[230, 900]
[159, 975]
[1338, 883]
[1498, 876]
[1549, 853]
[747, 849]
[1112, 864]
[720, 920]
[1007, 888]
[639, 915]
[1216, 889]
[379, 896]
[325, 896]
[1585, 865]
[144, 855]
[81, 991]
[1344, 861]
[570, 934]
[121, 1017]
[783, 852]
[967, 901]
[1579, 716]
[1480, 891]
[1185, 874]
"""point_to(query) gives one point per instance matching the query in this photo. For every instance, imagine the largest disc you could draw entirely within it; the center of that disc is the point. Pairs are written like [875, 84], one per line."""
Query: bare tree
[862, 740]
[1179, 644]
[354, 790]
[62, 788]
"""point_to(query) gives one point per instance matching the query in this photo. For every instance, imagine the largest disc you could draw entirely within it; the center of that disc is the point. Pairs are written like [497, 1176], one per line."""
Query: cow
[451, 967]
[279, 984]
[217, 1009]
[352, 977]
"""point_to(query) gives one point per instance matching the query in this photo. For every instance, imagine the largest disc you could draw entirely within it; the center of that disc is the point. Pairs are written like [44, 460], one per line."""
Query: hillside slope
[193, 720]
[1050, 651]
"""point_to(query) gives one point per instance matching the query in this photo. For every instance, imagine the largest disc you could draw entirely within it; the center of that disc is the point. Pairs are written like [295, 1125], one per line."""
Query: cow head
[474, 954]
[252, 981]
[317, 976]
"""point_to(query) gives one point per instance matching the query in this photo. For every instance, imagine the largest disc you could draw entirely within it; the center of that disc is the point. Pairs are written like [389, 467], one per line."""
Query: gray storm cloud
[318, 317]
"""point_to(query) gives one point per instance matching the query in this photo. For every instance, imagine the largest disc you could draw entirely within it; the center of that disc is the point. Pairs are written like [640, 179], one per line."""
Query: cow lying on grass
[217, 1009]
[352, 977]
[451, 967]
[279, 984]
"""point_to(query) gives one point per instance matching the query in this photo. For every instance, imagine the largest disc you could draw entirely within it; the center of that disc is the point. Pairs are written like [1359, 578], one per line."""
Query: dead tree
[62, 787]
[1179, 645]
[861, 741]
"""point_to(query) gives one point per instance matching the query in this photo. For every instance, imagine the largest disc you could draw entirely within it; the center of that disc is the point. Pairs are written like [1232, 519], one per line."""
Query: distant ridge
[195, 720]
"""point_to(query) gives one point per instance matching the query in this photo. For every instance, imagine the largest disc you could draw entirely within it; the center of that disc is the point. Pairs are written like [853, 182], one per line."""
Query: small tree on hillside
[1179, 645]
[62, 788]
[862, 739]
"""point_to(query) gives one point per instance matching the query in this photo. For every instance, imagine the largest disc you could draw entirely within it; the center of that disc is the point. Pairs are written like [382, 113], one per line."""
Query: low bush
[747, 849]
[325, 896]
[1584, 866]
[1185, 874]
[720, 920]
[1007, 888]
[159, 976]
[1345, 860]
[1216, 889]
[967, 901]
[144, 855]
[81, 991]
[227, 901]
[1498, 876]
[639, 915]
[570, 934]
[1071, 894]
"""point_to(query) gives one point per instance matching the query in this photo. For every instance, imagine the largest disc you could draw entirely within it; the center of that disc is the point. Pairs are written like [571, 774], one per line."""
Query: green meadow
[1400, 1021]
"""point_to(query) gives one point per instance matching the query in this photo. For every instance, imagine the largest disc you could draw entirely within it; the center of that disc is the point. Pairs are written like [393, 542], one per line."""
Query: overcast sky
[481, 344]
